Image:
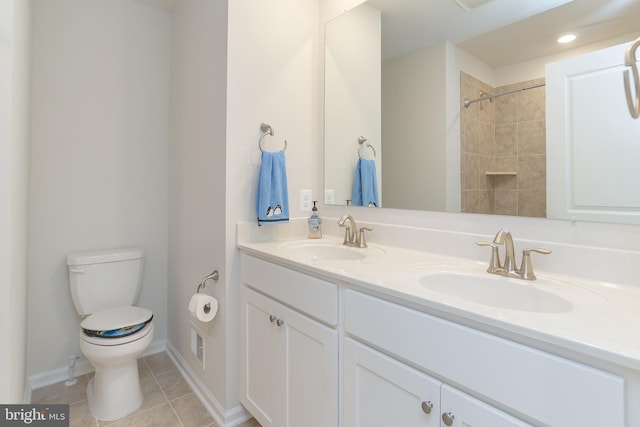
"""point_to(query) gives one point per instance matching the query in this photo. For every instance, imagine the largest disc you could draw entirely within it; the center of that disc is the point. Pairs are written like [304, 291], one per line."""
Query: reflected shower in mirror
[398, 71]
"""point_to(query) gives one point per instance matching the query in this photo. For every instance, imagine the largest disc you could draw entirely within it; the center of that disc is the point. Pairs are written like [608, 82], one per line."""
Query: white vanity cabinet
[315, 353]
[380, 391]
[539, 387]
[289, 366]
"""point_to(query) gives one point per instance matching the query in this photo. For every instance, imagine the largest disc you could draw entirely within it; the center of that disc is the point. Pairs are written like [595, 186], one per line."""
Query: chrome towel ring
[630, 61]
[268, 130]
[365, 143]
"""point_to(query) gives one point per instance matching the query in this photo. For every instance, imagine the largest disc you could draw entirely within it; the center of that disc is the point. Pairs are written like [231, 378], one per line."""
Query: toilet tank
[105, 279]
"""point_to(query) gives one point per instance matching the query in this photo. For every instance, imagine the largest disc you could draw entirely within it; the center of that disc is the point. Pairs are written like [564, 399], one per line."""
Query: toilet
[113, 333]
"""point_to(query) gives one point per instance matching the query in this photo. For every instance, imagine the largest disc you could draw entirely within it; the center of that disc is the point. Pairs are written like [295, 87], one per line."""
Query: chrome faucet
[504, 237]
[352, 236]
[508, 268]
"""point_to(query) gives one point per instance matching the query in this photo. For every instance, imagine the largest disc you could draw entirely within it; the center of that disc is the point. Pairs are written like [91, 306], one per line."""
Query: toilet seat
[109, 342]
[117, 325]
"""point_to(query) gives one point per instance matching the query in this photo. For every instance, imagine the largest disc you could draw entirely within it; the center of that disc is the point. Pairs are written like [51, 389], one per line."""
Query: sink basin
[315, 251]
[495, 291]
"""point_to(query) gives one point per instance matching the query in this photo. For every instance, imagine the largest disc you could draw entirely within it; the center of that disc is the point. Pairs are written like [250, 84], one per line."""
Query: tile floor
[168, 399]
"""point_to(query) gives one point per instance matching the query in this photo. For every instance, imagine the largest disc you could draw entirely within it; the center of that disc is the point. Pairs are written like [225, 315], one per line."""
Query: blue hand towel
[365, 184]
[273, 196]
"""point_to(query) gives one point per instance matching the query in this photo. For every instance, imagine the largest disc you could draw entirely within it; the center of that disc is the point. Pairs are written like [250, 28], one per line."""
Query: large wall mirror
[397, 73]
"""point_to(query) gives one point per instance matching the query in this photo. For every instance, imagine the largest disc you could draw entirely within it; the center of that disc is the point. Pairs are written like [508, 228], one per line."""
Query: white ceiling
[504, 31]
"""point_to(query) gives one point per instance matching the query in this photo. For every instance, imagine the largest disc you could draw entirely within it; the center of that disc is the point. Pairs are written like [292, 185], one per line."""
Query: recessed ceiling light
[566, 38]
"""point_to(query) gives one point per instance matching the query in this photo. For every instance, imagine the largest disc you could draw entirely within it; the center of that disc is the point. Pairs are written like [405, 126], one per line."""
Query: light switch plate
[305, 200]
[329, 197]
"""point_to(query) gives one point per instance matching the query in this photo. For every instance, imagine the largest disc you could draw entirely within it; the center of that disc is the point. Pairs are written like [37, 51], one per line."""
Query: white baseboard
[82, 367]
[26, 397]
[222, 417]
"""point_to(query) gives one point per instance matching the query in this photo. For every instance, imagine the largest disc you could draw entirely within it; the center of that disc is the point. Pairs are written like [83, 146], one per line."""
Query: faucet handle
[494, 263]
[362, 242]
[526, 268]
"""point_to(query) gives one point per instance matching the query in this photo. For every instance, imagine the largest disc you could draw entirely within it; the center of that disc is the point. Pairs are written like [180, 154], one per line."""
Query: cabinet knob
[447, 418]
[273, 318]
[280, 322]
[427, 406]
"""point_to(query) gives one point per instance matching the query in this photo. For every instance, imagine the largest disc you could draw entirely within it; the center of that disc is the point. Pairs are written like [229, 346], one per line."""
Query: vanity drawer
[312, 296]
[549, 389]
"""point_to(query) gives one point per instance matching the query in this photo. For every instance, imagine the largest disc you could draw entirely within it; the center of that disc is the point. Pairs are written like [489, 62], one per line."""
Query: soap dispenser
[315, 224]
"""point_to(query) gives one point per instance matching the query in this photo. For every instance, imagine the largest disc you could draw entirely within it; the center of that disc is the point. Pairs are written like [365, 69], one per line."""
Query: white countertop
[604, 321]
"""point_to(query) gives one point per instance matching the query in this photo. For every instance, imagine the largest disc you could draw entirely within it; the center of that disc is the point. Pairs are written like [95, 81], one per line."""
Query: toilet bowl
[114, 392]
[113, 333]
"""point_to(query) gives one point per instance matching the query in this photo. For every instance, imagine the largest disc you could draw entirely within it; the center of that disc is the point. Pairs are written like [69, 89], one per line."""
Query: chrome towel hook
[630, 61]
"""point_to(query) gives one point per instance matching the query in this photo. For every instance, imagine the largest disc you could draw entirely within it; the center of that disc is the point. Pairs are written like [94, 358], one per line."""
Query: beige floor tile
[173, 385]
[161, 382]
[143, 369]
[191, 411]
[60, 393]
[251, 423]
[159, 363]
[162, 416]
[80, 416]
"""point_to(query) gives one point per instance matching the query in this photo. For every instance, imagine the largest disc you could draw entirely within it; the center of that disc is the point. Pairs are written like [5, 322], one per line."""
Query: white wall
[352, 97]
[413, 130]
[197, 212]
[265, 56]
[15, 27]
[273, 76]
[273, 71]
[99, 157]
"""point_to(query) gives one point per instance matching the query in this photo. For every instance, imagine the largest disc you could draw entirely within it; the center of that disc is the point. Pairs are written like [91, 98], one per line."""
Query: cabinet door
[289, 365]
[310, 352]
[260, 390]
[462, 410]
[380, 391]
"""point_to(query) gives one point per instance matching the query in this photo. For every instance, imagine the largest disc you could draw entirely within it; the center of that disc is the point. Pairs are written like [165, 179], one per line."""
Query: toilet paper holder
[213, 276]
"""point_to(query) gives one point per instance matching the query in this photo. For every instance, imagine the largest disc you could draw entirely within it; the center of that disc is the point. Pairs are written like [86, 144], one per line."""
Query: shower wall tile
[532, 172]
[479, 201]
[475, 168]
[506, 108]
[531, 102]
[506, 140]
[478, 137]
[506, 134]
[532, 203]
[506, 202]
[505, 182]
[532, 137]
[506, 163]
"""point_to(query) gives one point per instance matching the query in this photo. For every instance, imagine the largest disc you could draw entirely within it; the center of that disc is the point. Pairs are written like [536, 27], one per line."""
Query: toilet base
[114, 392]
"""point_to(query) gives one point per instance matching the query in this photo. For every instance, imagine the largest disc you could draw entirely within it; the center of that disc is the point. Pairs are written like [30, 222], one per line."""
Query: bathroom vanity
[338, 336]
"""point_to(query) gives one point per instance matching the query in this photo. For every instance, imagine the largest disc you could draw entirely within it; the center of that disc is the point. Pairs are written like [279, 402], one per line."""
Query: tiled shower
[503, 149]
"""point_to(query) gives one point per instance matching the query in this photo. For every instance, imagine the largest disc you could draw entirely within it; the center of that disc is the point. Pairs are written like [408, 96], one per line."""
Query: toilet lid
[116, 322]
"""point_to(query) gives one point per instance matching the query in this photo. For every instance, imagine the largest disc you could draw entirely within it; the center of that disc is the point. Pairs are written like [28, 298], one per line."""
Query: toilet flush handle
[78, 270]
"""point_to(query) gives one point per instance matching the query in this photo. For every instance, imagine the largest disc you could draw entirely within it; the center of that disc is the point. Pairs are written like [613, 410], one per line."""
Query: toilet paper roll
[203, 307]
